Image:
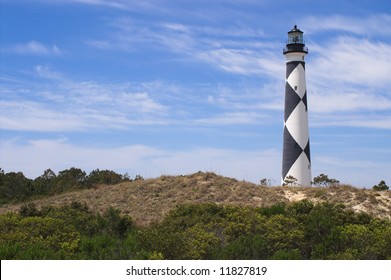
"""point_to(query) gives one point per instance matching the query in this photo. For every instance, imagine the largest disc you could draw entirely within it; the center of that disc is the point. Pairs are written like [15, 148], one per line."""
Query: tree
[2, 189]
[48, 174]
[14, 186]
[70, 179]
[44, 183]
[289, 181]
[266, 182]
[107, 177]
[263, 182]
[323, 180]
[382, 186]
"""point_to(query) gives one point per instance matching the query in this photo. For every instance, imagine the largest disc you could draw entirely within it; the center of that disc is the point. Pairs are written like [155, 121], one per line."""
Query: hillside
[150, 200]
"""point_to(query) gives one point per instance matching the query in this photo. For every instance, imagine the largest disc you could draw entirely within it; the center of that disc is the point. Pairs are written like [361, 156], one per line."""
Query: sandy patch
[294, 196]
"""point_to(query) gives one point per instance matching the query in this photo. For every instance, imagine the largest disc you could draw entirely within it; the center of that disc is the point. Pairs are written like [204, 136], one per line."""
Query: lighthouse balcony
[295, 48]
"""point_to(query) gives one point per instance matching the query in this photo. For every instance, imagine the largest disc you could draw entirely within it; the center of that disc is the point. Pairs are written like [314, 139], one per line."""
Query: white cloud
[44, 71]
[360, 173]
[232, 118]
[353, 60]
[129, 34]
[61, 104]
[36, 156]
[118, 4]
[342, 101]
[109, 3]
[350, 109]
[141, 102]
[368, 120]
[35, 116]
[244, 62]
[35, 48]
[100, 44]
[236, 49]
[32, 116]
[371, 25]
[348, 83]
[177, 27]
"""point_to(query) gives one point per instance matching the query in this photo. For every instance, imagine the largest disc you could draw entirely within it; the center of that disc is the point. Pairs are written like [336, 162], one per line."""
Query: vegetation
[14, 186]
[301, 230]
[289, 181]
[148, 200]
[204, 216]
[382, 186]
[323, 180]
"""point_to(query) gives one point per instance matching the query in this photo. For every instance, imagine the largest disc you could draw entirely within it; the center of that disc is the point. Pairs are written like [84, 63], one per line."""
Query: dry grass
[149, 200]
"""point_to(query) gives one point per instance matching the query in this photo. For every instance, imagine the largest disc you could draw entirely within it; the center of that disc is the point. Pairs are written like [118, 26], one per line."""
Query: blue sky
[172, 87]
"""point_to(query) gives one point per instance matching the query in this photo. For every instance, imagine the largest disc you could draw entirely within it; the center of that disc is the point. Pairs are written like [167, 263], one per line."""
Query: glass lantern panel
[295, 38]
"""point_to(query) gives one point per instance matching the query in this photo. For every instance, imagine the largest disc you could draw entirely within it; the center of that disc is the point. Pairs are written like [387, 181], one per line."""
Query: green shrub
[36, 238]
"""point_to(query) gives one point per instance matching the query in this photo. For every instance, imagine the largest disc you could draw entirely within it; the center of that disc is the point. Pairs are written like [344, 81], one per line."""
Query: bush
[113, 224]
[107, 177]
[382, 186]
[36, 238]
[301, 230]
[323, 180]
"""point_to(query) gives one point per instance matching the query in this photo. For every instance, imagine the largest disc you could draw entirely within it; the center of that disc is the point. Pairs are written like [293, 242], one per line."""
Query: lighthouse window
[295, 87]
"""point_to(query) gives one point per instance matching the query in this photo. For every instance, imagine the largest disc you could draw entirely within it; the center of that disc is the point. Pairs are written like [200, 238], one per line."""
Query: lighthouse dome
[295, 41]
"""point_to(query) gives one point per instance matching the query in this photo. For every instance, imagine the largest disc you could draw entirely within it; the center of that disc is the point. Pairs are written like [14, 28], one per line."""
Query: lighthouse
[296, 160]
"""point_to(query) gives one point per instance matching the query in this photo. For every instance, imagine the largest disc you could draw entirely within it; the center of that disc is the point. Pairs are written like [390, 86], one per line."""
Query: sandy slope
[149, 200]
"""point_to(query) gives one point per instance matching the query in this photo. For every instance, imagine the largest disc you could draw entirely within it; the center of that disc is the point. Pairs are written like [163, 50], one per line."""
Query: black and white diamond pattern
[296, 151]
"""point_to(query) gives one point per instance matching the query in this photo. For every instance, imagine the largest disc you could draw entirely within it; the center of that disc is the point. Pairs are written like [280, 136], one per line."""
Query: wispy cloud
[137, 159]
[62, 104]
[129, 34]
[34, 48]
[46, 72]
[59, 103]
[349, 59]
[241, 61]
[118, 4]
[152, 162]
[374, 24]
[348, 75]
[203, 44]
[33, 116]
[342, 101]
[367, 120]
[359, 169]
[339, 80]
[109, 3]
[233, 118]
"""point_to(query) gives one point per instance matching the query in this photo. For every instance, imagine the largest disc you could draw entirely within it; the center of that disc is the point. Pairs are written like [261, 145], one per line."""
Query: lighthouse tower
[296, 160]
